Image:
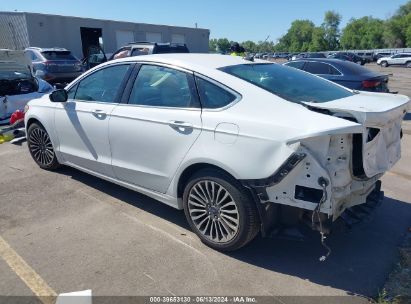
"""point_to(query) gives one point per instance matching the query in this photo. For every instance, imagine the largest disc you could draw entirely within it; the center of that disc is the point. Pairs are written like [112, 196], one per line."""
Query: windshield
[288, 83]
[11, 75]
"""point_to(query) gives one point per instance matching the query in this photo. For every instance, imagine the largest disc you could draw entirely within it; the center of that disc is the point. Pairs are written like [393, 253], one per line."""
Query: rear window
[355, 68]
[140, 51]
[58, 55]
[288, 83]
[164, 49]
[296, 64]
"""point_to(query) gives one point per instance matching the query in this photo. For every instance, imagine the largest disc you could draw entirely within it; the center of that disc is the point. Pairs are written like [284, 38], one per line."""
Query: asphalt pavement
[79, 232]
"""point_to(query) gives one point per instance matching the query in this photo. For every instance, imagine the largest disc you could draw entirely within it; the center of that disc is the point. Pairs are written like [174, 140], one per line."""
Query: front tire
[408, 64]
[40, 147]
[220, 210]
[384, 64]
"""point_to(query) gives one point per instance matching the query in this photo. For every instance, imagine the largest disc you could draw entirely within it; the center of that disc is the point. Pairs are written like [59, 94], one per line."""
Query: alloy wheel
[41, 147]
[213, 211]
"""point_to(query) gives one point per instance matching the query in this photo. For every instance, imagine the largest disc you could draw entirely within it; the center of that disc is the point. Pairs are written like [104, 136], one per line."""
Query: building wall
[62, 31]
[13, 31]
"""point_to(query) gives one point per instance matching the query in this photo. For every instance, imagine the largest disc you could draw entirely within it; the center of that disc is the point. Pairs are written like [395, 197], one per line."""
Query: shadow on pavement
[360, 261]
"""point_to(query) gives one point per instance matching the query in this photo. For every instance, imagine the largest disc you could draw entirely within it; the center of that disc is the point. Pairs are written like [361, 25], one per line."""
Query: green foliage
[363, 33]
[398, 28]
[223, 45]
[331, 26]
[250, 46]
[212, 45]
[298, 37]
[318, 40]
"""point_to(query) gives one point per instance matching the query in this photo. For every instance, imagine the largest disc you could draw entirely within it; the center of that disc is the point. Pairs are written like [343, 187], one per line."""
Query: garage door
[154, 37]
[178, 38]
[124, 37]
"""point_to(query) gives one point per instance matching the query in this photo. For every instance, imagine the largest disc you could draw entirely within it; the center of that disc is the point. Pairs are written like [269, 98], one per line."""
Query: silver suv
[397, 59]
[54, 64]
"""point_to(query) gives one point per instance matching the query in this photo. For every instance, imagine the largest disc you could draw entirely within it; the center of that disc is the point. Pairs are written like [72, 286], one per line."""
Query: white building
[19, 30]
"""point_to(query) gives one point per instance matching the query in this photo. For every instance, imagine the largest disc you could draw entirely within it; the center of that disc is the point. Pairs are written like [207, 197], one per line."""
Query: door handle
[99, 114]
[180, 124]
[98, 111]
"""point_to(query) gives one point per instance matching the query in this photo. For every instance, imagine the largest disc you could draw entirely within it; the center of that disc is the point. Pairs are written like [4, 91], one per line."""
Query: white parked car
[397, 59]
[230, 141]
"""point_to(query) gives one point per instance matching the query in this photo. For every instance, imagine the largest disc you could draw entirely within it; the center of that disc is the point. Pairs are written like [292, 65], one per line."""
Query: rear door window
[296, 64]
[318, 68]
[160, 86]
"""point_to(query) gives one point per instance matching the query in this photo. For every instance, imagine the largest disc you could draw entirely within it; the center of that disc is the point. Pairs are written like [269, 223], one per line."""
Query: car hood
[384, 58]
[15, 62]
[371, 109]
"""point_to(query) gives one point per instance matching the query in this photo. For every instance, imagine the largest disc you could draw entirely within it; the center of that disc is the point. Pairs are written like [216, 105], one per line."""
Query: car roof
[53, 49]
[325, 60]
[346, 67]
[192, 61]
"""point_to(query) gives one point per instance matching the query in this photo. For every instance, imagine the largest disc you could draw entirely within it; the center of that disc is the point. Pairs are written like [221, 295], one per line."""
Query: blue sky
[237, 20]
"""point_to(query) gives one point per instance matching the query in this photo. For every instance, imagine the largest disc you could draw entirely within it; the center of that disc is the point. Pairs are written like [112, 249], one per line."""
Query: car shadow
[361, 257]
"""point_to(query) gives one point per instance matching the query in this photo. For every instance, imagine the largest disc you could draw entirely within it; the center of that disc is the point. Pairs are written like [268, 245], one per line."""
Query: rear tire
[220, 210]
[408, 64]
[40, 147]
[384, 64]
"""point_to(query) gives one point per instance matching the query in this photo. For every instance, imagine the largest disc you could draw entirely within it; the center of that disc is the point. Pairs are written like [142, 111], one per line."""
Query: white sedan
[234, 143]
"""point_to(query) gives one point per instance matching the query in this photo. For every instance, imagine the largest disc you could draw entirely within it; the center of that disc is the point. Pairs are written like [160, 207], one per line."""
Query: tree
[212, 45]
[223, 45]
[363, 33]
[318, 40]
[397, 32]
[331, 25]
[299, 36]
[249, 46]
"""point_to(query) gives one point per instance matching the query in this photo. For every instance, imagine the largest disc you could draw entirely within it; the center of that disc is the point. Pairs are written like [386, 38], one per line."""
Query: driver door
[82, 122]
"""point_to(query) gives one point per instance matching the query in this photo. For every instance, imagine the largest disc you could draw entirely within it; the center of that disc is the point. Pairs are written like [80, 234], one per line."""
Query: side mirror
[59, 96]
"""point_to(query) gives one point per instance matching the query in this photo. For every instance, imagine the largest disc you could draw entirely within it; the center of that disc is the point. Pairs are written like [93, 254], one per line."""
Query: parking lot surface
[79, 232]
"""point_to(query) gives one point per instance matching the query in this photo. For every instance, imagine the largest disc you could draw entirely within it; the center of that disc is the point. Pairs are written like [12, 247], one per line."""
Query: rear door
[151, 134]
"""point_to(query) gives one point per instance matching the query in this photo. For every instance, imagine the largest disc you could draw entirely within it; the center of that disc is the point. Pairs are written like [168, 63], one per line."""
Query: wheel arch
[185, 175]
[32, 120]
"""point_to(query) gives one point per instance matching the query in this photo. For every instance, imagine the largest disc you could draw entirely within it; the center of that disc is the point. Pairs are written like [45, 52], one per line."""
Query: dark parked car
[54, 64]
[347, 56]
[308, 55]
[97, 56]
[146, 48]
[379, 55]
[368, 56]
[345, 73]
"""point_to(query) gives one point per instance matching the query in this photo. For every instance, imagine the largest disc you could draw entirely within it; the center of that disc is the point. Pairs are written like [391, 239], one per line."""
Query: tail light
[370, 83]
